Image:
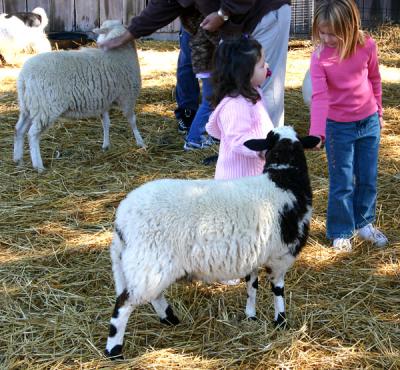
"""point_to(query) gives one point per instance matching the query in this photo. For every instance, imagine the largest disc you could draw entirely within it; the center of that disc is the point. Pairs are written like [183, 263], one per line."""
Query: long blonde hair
[343, 18]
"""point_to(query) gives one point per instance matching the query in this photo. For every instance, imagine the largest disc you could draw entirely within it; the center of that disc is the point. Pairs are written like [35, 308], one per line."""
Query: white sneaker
[342, 245]
[231, 282]
[373, 235]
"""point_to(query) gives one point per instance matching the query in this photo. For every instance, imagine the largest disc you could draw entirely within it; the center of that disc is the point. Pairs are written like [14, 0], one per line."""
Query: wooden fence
[84, 15]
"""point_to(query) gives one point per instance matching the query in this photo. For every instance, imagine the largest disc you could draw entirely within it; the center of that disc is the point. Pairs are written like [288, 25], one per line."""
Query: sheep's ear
[310, 142]
[257, 145]
[262, 144]
[101, 31]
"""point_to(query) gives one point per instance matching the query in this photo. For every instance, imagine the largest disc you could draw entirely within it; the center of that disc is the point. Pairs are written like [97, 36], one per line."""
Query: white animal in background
[22, 33]
[212, 230]
[76, 84]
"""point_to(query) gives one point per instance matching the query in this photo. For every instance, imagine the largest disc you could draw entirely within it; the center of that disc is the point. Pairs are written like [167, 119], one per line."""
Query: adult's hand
[212, 22]
[116, 42]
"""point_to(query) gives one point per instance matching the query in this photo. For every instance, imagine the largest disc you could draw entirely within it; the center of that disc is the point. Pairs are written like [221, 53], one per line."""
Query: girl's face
[260, 72]
[327, 37]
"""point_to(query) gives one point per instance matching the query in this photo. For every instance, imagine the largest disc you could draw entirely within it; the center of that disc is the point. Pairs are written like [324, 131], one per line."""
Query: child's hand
[381, 122]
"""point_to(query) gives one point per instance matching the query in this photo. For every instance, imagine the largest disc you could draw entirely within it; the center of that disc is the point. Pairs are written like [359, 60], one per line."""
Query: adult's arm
[156, 15]
[233, 8]
[237, 7]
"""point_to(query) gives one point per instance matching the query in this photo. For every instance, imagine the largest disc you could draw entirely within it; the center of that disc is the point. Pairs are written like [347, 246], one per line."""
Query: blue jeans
[352, 152]
[200, 120]
[187, 85]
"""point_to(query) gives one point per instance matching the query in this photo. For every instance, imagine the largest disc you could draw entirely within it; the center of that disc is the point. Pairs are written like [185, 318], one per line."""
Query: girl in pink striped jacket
[239, 115]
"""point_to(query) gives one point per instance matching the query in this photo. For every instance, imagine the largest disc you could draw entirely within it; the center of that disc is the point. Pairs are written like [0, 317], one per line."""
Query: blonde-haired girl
[346, 111]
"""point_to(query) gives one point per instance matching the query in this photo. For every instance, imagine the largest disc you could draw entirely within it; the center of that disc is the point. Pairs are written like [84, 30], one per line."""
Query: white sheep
[23, 33]
[76, 84]
[306, 89]
[211, 230]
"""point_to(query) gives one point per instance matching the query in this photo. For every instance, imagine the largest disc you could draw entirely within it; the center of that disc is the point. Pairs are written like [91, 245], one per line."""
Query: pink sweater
[344, 91]
[234, 121]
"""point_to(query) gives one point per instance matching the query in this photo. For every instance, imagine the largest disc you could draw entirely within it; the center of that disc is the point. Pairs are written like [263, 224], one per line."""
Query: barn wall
[84, 15]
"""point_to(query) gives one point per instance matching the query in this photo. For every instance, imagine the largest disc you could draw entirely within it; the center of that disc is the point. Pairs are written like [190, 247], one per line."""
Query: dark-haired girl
[239, 115]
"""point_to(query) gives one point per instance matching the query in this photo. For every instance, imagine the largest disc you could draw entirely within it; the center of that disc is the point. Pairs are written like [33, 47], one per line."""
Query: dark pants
[187, 85]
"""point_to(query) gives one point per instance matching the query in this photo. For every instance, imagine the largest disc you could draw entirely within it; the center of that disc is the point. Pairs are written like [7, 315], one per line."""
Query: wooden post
[111, 9]
[87, 15]
[32, 4]
[11, 6]
[61, 15]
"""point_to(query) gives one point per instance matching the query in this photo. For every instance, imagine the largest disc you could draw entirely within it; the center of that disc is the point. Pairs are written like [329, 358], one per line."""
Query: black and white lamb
[76, 84]
[23, 33]
[212, 230]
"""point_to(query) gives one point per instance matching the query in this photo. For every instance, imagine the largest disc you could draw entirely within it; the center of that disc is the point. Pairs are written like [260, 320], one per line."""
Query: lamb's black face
[283, 152]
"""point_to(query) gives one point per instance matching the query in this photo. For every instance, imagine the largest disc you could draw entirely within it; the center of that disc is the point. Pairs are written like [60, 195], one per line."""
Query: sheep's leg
[252, 286]
[123, 309]
[164, 311]
[105, 119]
[20, 130]
[132, 121]
[278, 288]
[34, 134]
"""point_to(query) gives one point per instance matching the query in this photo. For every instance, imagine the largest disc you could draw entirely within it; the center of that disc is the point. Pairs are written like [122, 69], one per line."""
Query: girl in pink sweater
[239, 115]
[346, 109]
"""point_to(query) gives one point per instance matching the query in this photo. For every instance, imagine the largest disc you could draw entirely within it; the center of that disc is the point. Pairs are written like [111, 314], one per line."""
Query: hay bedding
[56, 287]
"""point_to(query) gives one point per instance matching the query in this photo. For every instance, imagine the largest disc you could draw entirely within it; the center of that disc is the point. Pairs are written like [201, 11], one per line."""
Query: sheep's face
[283, 152]
[283, 147]
[110, 29]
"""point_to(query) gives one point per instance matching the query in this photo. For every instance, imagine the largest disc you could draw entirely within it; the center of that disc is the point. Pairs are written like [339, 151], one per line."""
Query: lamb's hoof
[281, 322]
[115, 353]
[105, 148]
[170, 321]
[19, 163]
[210, 160]
[252, 318]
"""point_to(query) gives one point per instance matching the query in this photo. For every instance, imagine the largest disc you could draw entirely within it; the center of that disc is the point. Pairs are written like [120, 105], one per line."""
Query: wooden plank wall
[83, 15]
[87, 15]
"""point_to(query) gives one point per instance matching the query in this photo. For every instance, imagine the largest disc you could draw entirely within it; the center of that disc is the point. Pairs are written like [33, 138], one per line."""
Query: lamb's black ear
[257, 145]
[310, 142]
[262, 144]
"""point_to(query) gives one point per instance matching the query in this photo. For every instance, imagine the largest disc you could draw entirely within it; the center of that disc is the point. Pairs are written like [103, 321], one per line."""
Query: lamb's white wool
[307, 89]
[17, 39]
[211, 230]
[76, 84]
[287, 132]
